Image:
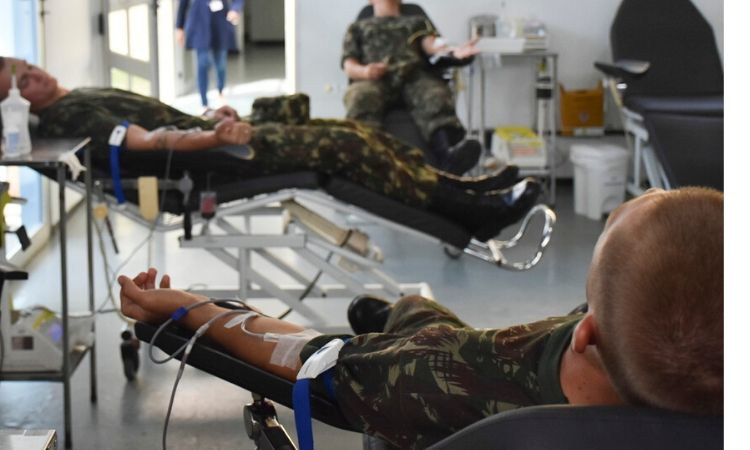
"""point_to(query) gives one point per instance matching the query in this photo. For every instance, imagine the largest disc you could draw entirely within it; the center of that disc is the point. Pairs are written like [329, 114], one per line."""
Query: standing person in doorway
[208, 27]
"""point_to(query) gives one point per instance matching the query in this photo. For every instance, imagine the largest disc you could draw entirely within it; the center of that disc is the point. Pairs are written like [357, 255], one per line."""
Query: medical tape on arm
[115, 146]
[288, 346]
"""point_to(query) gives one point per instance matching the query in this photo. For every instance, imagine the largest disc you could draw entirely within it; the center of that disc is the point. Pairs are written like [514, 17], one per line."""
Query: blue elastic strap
[303, 411]
[301, 405]
[303, 414]
[328, 383]
[114, 166]
[179, 313]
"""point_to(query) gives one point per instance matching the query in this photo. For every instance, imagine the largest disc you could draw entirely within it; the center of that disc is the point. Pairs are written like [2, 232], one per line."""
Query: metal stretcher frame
[308, 246]
[644, 155]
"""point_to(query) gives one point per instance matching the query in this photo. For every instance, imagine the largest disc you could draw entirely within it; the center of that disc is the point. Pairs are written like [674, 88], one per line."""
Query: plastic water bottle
[15, 116]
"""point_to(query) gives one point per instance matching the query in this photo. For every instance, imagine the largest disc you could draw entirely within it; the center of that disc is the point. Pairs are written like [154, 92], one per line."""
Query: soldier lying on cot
[652, 335]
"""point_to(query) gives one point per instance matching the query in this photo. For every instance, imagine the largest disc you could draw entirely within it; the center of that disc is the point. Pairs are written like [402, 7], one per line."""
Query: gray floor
[207, 413]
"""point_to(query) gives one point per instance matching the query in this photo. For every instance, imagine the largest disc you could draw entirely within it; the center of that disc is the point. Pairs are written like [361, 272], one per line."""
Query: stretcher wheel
[452, 252]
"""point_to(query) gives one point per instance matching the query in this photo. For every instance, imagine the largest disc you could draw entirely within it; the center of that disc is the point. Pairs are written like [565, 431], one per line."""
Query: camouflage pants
[359, 153]
[428, 99]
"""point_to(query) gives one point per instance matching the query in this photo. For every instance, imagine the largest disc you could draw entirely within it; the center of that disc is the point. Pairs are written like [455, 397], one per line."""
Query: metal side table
[479, 65]
[45, 156]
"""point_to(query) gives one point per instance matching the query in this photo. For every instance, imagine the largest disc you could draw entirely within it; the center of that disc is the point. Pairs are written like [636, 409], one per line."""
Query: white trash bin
[600, 177]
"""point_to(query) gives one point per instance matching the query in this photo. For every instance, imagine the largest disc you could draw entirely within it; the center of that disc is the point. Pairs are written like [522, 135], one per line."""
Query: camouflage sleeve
[421, 29]
[429, 27]
[352, 45]
[418, 389]
[79, 120]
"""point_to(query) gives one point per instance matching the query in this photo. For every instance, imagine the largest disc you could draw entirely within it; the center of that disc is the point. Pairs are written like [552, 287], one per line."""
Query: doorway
[256, 69]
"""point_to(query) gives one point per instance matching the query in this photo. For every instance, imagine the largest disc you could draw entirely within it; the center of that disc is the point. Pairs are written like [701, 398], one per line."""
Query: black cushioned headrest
[589, 428]
[678, 42]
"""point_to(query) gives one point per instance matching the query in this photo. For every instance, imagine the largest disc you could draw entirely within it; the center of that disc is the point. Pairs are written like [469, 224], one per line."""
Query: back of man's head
[658, 301]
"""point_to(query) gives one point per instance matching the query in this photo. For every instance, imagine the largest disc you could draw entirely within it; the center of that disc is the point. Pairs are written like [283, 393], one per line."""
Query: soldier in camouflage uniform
[281, 139]
[284, 140]
[656, 301]
[384, 56]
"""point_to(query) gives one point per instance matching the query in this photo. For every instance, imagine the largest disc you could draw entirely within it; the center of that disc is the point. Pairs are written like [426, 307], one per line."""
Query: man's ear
[584, 333]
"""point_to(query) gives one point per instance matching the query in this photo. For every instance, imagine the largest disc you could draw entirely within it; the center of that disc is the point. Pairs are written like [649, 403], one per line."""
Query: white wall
[579, 30]
[73, 45]
[7, 40]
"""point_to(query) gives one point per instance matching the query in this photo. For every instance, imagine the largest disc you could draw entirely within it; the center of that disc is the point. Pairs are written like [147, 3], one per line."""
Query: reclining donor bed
[318, 212]
[558, 427]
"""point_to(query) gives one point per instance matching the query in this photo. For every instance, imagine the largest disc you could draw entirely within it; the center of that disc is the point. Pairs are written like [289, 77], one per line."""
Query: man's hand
[375, 71]
[466, 50]
[180, 36]
[233, 17]
[226, 112]
[140, 300]
[231, 132]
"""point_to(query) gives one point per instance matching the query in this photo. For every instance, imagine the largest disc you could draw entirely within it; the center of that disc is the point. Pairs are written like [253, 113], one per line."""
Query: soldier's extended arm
[431, 46]
[226, 132]
[141, 301]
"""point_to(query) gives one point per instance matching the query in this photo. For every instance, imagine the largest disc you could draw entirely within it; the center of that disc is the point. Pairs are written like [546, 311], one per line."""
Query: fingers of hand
[224, 126]
[140, 279]
[151, 279]
[165, 283]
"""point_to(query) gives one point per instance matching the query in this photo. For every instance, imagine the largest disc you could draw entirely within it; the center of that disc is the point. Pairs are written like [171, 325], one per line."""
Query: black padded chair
[665, 53]
[398, 121]
[589, 428]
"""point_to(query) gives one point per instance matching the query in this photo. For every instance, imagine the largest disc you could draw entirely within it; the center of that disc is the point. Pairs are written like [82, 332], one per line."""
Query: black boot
[485, 215]
[368, 314]
[504, 178]
[462, 157]
[446, 149]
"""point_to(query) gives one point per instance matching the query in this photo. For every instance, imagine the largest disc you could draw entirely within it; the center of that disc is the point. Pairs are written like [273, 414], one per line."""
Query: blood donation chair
[667, 79]
[538, 428]
[397, 120]
[319, 216]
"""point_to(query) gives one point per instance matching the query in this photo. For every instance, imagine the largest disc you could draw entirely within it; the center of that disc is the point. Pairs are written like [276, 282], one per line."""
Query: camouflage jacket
[284, 140]
[393, 40]
[430, 375]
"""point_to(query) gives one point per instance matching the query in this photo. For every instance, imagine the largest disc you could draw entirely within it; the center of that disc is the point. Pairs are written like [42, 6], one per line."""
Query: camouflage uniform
[284, 140]
[429, 374]
[397, 42]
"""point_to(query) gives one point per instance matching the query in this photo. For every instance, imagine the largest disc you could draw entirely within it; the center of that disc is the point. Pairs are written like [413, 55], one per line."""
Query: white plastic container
[15, 117]
[600, 178]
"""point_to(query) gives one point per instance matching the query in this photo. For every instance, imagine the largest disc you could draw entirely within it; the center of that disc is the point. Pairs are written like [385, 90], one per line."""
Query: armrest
[447, 60]
[216, 361]
[624, 69]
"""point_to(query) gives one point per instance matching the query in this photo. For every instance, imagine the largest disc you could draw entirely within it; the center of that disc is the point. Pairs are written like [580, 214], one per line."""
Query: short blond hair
[659, 304]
